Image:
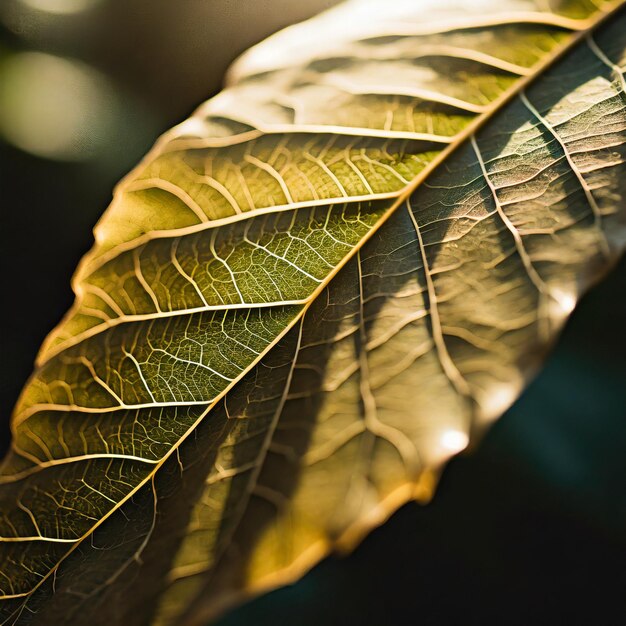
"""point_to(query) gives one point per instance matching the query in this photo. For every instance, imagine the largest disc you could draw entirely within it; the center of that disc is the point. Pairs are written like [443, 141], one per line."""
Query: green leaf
[307, 297]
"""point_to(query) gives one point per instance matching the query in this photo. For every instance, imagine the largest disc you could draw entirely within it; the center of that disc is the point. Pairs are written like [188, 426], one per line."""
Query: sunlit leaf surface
[308, 297]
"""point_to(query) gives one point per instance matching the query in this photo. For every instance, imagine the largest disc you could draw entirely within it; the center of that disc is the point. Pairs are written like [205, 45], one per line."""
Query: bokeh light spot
[55, 108]
[454, 440]
[61, 7]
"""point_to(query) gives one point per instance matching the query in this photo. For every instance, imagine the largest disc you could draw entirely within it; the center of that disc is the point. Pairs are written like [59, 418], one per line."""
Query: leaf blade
[136, 380]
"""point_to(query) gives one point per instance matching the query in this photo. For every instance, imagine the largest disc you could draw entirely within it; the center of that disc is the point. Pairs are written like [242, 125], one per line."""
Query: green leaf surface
[307, 297]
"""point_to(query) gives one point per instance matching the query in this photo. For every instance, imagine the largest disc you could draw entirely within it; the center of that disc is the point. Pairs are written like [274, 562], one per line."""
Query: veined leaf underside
[307, 298]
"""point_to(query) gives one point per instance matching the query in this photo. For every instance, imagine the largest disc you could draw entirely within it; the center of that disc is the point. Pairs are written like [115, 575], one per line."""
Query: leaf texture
[307, 297]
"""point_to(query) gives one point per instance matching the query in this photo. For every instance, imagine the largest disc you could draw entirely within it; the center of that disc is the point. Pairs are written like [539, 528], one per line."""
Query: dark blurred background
[530, 529]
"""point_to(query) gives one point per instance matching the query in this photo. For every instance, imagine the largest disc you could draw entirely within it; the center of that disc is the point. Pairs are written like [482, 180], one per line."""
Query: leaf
[307, 297]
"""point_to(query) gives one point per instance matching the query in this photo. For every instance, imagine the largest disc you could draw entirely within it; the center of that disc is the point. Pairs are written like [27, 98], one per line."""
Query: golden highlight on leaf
[308, 297]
